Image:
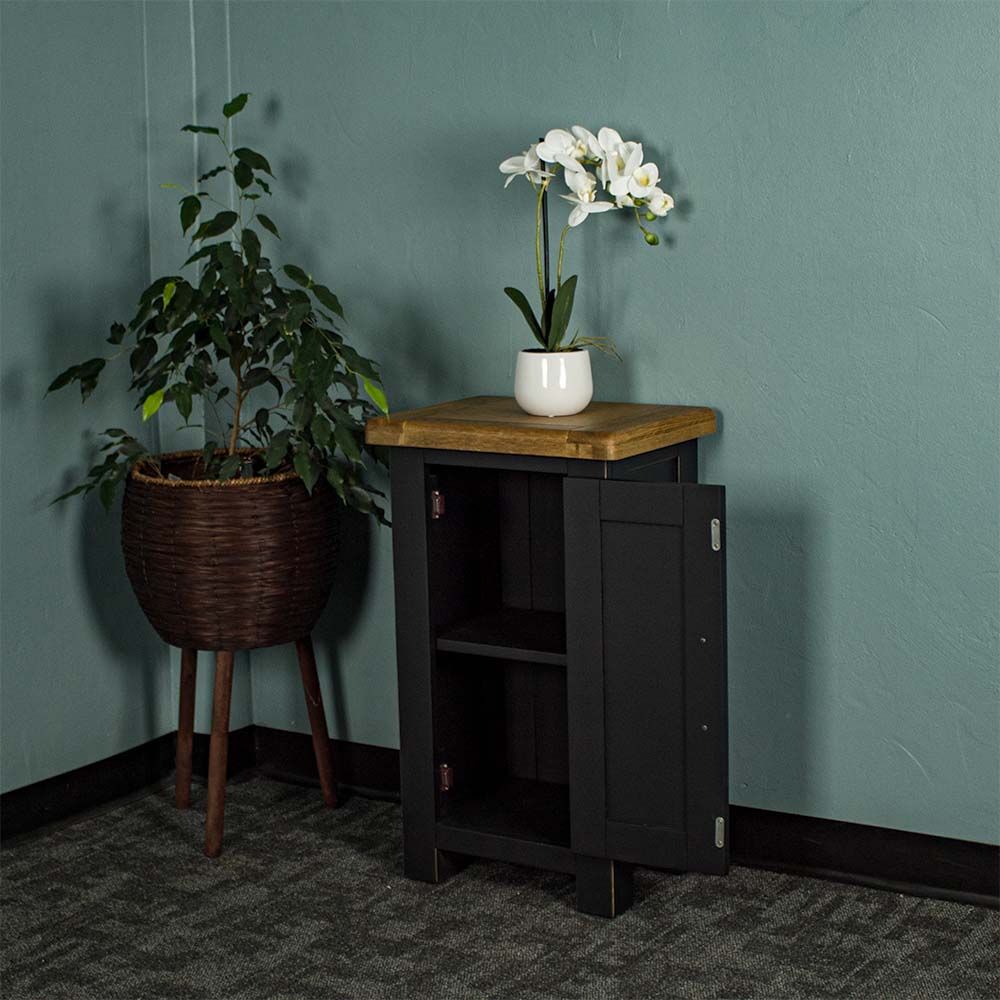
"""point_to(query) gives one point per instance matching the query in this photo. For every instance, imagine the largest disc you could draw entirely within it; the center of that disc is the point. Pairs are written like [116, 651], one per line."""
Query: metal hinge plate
[720, 831]
[437, 505]
[716, 533]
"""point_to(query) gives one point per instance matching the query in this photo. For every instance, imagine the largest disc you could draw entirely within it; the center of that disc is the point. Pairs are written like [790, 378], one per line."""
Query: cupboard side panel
[707, 717]
[414, 660]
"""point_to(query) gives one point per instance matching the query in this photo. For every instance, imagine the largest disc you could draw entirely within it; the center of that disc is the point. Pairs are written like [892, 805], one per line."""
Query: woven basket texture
[234, 565]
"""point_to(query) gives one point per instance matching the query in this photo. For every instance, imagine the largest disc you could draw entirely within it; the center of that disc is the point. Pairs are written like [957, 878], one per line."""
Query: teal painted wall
[832, 291]
[82, 675]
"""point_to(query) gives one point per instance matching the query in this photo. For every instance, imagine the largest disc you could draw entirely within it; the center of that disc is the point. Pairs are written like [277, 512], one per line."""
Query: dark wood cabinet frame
[561, 642]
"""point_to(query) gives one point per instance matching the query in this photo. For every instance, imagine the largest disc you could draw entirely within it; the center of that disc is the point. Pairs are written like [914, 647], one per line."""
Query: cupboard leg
[185, 728]
[218, 753]
[603, 887]
[317, 719]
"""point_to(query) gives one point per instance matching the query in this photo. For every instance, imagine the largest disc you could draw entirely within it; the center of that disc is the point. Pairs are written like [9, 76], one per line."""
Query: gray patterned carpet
[306, 903]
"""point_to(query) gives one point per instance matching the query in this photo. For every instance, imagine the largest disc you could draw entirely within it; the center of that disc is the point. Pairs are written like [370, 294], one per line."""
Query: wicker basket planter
[227, 565]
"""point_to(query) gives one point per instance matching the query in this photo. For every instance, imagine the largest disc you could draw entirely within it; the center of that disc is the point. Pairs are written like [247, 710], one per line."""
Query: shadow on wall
[72, 334]
[772, 552]
[342, 612]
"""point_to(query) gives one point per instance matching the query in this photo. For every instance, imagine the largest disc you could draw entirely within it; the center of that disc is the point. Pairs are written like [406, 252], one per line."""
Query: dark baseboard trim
[912, 863]
[361, 768]
[88, 787]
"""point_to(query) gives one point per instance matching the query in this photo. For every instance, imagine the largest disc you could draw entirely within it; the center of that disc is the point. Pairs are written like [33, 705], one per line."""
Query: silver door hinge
[720, 831]
[716, 533]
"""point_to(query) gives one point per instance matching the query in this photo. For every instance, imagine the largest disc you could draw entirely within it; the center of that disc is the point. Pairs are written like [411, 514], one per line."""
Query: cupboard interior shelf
[509, 634]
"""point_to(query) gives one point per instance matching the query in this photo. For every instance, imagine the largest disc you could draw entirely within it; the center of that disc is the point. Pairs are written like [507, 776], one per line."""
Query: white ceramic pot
[553, 385]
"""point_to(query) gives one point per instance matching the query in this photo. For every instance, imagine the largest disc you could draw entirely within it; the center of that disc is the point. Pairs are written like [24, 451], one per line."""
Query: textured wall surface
[831, 290]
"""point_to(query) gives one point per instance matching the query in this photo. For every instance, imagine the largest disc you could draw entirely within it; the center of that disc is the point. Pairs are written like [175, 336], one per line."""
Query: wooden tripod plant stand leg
[219, 745]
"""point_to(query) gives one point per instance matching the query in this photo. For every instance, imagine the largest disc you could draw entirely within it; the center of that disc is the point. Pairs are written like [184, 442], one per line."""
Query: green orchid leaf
[235, 106]
[562, 309]
[519, 299]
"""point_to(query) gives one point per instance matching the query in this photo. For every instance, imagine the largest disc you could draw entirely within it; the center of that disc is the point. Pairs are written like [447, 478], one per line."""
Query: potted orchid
[554, 379]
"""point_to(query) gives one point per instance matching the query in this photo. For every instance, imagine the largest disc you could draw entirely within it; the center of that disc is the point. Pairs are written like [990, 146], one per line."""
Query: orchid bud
[650, 217]
[652, 239]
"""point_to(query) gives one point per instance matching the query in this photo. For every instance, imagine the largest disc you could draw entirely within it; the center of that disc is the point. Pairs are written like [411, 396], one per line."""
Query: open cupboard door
[646, 672]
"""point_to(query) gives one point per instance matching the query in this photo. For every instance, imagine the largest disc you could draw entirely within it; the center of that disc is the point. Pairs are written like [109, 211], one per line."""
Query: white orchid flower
[527, 165]
[643, 181]
[584, 197]
[625, 201]
[659, 202]
[622, 164]
[560, 146]
[588, 142]
[582, 184]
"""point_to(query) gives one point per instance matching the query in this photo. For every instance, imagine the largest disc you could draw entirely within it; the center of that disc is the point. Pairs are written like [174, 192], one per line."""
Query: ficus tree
[268, 359]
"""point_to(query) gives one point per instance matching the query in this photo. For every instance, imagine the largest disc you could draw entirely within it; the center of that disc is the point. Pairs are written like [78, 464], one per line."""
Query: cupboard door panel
[645, 616]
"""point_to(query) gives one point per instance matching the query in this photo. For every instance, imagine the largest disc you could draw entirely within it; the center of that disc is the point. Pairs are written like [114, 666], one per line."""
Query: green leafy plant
[294, 391]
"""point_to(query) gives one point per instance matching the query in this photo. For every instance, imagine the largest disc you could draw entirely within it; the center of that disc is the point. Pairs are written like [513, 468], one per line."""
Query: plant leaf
[207, 129]
[276, 449]
[306, 468]
[211, 173]
[518, 298]
[376, 394]
[328, 299]
[321, 430]
[243, 175]
[230, 466]
[297, 274]
[268, 224]
[223, 222]
[152, 403]
[106, 491]
[256, 377]
[190, 208]
[562, 309]
[182, 399]
[252, 159]
[235, 106]
[251, 247]
[346, 443]
[168, 293]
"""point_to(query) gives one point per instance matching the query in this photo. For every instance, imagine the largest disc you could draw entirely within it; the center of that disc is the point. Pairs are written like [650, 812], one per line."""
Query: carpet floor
[307, 903]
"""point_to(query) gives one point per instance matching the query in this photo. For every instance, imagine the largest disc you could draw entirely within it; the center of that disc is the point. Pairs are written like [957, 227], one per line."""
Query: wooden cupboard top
[602, 432]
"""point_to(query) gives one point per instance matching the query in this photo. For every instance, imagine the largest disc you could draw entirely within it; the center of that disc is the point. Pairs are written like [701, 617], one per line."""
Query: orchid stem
[538, 245]
[562, 247]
